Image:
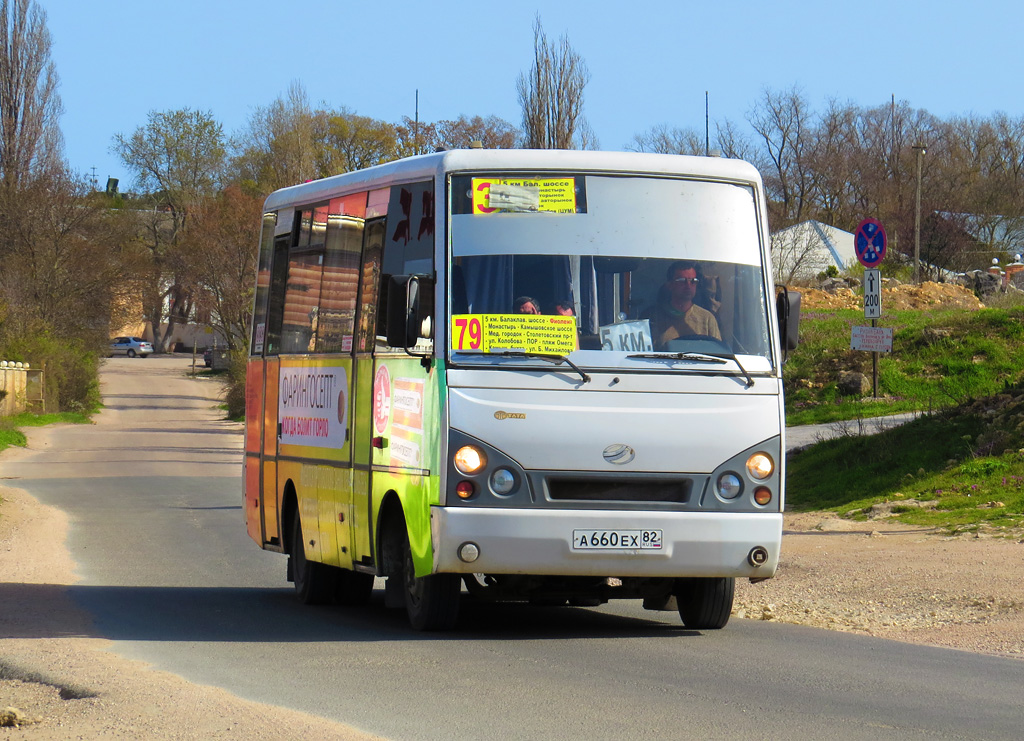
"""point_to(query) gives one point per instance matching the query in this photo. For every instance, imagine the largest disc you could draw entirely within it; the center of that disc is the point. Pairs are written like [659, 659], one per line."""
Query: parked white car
[130, 346]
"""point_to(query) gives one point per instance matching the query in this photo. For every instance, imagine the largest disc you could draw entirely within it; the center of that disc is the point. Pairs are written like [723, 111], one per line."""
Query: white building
[802, 251]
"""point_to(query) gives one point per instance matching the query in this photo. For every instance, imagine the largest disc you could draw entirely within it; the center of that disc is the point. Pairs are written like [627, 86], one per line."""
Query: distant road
[804, 435]
[153, 490]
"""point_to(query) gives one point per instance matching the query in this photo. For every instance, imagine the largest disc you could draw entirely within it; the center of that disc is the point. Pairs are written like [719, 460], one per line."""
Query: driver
[677, 315]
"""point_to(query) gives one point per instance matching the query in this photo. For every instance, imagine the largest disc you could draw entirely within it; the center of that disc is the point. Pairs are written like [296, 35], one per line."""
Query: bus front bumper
[604, 543]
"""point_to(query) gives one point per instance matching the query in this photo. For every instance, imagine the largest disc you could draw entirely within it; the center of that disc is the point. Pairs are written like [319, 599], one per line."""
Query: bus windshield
[608, 269]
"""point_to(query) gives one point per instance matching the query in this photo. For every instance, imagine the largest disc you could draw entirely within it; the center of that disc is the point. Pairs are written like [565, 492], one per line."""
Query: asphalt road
[153, 491]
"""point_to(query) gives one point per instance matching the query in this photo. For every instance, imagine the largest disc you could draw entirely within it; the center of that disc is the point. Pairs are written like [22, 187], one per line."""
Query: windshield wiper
[699, 357]
[550, 357]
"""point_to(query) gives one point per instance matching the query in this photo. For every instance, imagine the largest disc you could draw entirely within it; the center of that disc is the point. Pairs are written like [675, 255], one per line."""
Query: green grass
[962, 468]
[940, 359]
[11, 434]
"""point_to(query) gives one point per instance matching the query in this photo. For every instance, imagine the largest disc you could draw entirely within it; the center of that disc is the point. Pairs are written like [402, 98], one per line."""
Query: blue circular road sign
[869, 242]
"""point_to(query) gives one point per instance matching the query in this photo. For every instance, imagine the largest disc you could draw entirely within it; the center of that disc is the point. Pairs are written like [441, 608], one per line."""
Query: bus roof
[427, 166]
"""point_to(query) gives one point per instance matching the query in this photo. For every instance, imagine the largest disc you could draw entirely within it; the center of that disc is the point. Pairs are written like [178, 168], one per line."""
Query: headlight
[469, 459]
[760, 466]
[729, 486]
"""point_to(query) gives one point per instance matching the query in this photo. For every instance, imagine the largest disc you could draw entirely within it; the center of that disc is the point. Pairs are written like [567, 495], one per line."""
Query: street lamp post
[919, 148]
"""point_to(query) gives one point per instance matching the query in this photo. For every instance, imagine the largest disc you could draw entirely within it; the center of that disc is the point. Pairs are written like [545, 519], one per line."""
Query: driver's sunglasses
[691, 281]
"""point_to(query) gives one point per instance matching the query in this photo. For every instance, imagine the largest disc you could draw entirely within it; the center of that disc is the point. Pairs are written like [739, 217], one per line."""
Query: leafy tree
[178, 159]
[355, 142]
[493, 132]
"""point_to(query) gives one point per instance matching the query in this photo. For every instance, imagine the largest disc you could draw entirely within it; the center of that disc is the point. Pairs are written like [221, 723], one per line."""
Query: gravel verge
[58, 683]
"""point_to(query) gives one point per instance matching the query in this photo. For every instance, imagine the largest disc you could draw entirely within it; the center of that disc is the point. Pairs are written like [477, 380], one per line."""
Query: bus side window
[260, 306]
[283, 237]
[302, 293]
[340, 287]
[408, 248]
[369, 285]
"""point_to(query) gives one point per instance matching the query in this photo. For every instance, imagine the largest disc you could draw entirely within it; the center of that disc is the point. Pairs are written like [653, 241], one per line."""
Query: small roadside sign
[869, 242]
[872, 339]
[872, 293]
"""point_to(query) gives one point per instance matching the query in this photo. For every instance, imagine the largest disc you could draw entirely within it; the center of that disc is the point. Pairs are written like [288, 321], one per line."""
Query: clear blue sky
[650, 62]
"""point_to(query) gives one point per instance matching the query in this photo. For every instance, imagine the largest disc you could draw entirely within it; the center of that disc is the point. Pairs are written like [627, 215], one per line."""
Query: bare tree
[551, 96]
[278, 147]
[30, 108]
[798, 254]
[662, 139]
[732, 142]
[782, 120]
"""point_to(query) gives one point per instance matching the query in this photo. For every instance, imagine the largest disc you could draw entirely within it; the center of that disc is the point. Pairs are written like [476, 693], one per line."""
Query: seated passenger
[526, 305]
[676, 315]
[565, 308]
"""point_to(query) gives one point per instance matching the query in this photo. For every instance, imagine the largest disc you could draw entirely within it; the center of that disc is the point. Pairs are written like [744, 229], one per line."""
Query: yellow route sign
[489, 333]
[524, 195]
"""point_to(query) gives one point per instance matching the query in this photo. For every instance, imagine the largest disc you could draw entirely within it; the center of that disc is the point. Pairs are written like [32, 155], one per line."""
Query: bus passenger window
[302, 293]
[336, 319]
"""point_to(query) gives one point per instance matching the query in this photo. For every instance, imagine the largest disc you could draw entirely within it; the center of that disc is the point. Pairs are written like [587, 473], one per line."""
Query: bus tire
[705, 603]
[432, 602]
[354, 588]
[315, 583]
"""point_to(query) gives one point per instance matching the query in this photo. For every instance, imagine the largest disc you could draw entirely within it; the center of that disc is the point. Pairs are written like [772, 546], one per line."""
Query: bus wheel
[315, 583]
[705, 604]
[354, 588]
[431, 601]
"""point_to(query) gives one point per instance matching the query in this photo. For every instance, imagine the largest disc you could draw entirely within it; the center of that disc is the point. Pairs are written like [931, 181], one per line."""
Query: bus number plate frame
[617, 540]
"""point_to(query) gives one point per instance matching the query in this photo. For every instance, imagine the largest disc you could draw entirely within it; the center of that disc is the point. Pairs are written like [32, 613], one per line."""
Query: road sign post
[870, 242]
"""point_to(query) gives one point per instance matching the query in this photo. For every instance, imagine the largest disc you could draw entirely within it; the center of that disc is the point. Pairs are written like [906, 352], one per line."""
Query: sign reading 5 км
[526, 332]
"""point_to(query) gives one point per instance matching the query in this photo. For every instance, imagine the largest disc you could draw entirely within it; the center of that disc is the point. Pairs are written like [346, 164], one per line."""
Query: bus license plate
[616, 540]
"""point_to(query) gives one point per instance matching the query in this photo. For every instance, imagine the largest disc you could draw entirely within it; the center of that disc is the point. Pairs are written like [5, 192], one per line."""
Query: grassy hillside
[959, 466]
[941, 358]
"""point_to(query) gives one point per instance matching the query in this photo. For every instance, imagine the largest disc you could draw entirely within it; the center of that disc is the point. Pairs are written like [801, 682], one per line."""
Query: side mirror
[787, 307]
[406, 317]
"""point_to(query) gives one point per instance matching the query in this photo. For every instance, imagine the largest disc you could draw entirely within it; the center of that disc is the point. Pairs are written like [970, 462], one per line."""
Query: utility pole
[919, 148]
[707, 127]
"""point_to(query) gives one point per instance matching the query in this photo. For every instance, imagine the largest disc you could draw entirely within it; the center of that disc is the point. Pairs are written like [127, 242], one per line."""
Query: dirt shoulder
[895, 581]
[57, 683]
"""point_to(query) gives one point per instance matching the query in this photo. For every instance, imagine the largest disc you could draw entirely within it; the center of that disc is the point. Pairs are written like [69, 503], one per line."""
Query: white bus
[547, 376]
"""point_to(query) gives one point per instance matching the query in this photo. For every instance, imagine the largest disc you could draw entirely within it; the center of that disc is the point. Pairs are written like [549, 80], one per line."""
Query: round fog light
[502, 481]
[468, 552]
[762, 495]
[465, 489]
[729, 486]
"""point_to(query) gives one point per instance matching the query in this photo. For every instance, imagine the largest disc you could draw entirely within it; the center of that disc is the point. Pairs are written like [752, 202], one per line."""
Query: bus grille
[633, 490]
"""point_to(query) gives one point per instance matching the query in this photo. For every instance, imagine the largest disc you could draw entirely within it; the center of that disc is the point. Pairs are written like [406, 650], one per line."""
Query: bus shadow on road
[259, 615]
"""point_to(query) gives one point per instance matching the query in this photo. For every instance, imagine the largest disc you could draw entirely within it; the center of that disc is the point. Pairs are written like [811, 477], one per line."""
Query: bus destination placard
[494, 333]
